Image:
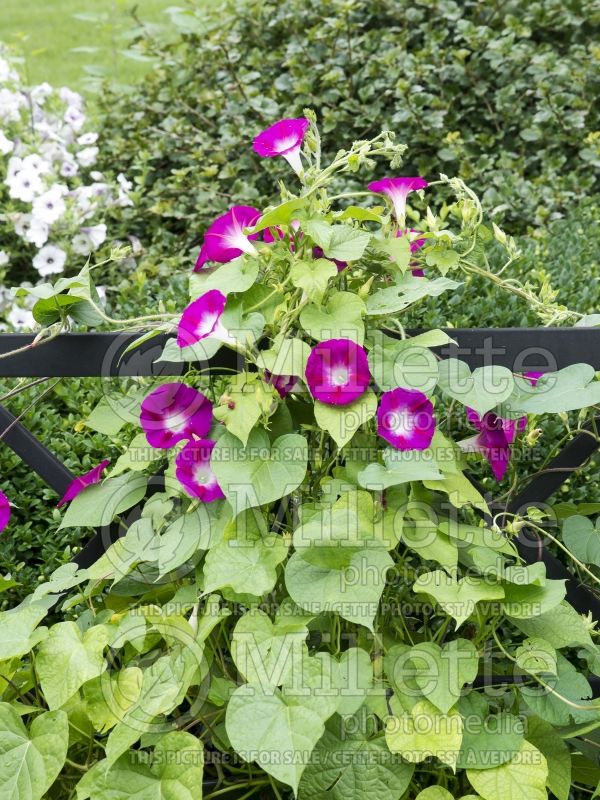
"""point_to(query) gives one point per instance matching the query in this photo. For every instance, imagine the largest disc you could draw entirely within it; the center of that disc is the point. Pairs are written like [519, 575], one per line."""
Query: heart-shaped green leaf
[342, 318]
[426, 732]
[582, 538]
[457, 598]
[265, 652]
[313, 276]
[342, 422]
[235, 276]
[566, 390]
[482, 389]
[287, 723]
[350, 762]
[246, 558]
[30, 761]
[260, 472]
[406, 292]
[521, 778]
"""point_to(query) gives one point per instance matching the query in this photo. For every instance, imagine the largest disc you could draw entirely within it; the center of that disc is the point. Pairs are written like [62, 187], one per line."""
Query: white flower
[97, 234]
[70, 97]
[81, 244]
[30, 229]
[20, 318]
[74, 117]
[125, 187]
[50, 260]
[14, 165]
[96, 176]
[6, 146]
[41, 92]
[25, 185]
[11, 104]
[87, 138]
[37, 232]
[69, 168]
[6, 72]
[50, 206]
[87, 156]
[36, 163]
[4, 259]
[43, 127]
[89, 239]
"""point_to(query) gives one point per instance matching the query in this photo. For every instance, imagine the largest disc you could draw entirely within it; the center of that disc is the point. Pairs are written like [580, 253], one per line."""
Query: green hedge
[501, 94]
[566, 253]
[32, 545]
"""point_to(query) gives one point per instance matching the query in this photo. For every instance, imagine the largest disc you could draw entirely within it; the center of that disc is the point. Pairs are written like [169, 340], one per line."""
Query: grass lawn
[63, 50]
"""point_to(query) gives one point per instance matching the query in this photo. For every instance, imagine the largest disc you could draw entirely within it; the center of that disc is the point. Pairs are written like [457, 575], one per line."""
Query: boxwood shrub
[501, 94]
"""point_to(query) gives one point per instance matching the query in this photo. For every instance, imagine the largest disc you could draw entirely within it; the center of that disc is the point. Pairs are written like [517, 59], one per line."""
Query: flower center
[176, 422]
[401, 423]
[207, 323]
[286, 144]
[202, 475]
[339, 376]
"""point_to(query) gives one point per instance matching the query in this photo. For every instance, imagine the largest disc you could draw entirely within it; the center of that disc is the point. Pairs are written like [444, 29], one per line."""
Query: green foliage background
[501, 94]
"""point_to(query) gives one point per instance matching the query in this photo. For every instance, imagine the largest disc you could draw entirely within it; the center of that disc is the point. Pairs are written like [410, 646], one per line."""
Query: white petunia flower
[15, 164]
[70, 97]
[88, 156]
[6, 72]
[25, 185]
[6, 146]
[37, 233]
[74, 118]
[81, 244]
[11, 104]
[50, 260]
[125, 187]
[41, 92]
[50, 206]
[96, 176]
[4, 259]
[20, 318]
[36, 163]
[31, 230]
[69, 168]
[97, 234]
[87, 138]
[89, 239]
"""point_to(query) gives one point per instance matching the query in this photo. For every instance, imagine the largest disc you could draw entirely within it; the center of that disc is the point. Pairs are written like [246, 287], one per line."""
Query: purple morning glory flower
[284, 138]
[4, 511]
[225, 238]
[193, 471]
[202, 318]
[82, 482]
[174, 412]
[414, 244]
[337, 371]
[405, 419]
[494, 439]
[282, 383]
[397, 189]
